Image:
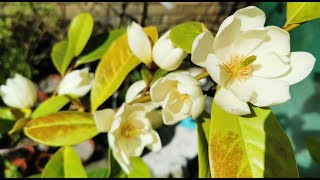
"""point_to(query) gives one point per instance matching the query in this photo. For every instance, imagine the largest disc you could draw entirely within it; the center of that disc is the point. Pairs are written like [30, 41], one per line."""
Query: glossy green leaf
[7, 120]
[113, 68]
[313, 144]
[115, 169]
[98, 52]
[203, 132]
[79, 32]
[254, 145]
[65, 163]
[51, 105]
[145, 74]
[98, 173]
[20, 124]
[183, 34]
[140, 168]
[158, 74]
[298, 12]
[62, 128]
[61, 56]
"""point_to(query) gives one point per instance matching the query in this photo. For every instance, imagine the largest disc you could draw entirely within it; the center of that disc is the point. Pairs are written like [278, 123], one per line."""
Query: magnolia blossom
[180, 96]
[19, 92]
[139, 43]
[166, 55]
[131, 131]
[77, 83]
[250, 62]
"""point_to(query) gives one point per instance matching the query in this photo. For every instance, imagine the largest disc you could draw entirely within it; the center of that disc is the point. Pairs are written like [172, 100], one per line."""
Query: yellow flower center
[129, 130]
[239, 67]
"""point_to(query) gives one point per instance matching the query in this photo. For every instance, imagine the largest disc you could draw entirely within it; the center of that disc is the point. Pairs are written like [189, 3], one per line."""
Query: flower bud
[166, 55]
[77, 83]
[19, 92]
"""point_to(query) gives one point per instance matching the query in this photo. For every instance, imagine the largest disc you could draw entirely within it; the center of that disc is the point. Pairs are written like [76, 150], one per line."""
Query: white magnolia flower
[134, 91]
[131, 131]
[250, 62]
[19, 92]
[77, 83]
[104, 119]
[180, 96]
[139, 43]
[166, 55]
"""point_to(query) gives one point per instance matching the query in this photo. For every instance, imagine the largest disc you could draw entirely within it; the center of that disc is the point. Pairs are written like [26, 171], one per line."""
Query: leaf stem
[202, 75]
[141, 99]
[291, 27]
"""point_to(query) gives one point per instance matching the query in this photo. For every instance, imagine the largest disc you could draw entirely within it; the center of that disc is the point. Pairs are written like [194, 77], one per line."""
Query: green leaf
[254, 145]
[145, 74]
[98, 53]
[35, 176]
[115, 169]
[79, 32]
[65, 163]
[203, 131]
[62, 128]
[61, 56]
[298, 12]
[7, 120]
[113, 68]
[313, 144]
[20, 124]
[183, 34]
[98, 173]
[140, 169]
[51, 105]
[158, 74]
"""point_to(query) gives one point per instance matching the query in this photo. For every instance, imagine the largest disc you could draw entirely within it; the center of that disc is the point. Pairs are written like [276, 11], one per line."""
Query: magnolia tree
[249, 67]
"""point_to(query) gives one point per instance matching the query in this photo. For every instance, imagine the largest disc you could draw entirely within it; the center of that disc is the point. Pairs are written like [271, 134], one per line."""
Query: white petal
[230, 103]
[248, 41]
[269, 65]
[251, 18]
[9, 97]
[155, 118]
[104, 119]
[170, 118]
[183, 77]
[268, 91]
[277, 40]
[139, 43]
[160, 89]
[216, 73]
[202, 46]
[225, 23]
[198, 106]
[240, 90]
[125, 167]
[223, 41]
[134, 90]
[301, 66]
[193, 91]
[156, 143]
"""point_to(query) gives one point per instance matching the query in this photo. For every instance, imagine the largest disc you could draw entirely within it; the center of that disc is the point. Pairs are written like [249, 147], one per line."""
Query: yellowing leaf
[115, 65]
[249, 146]
[65, 163]
[62, 128]
[51, 105]
[298, 12]
[79, 32]
[183, 35]
[20, 124]
[61, 56]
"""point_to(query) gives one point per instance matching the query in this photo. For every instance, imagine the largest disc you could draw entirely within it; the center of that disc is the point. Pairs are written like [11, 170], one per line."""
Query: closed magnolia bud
[139, 43]
[77, 83]
[166, 55]
[19, 92]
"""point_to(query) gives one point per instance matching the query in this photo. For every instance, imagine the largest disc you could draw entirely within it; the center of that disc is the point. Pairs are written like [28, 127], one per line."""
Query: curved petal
[225, 23]
[201, 47]
[216, 73]
[198, 106]
[172, 59]
[251, 18]
[248, 41]
[301, 66]
[104, 119]
[160, 89]
[268, 91]
[269, 65]
[277, 40]
[134, 90]
[124, 166]
[139, 43]
[183, 77]
[230, 103]
[240, 90]
[155, 118]
[192, 91]
[170, 118]
[156, 143]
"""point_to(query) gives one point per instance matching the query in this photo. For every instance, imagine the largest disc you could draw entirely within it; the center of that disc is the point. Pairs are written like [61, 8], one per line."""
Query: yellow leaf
[62, 128]
[114, 66]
